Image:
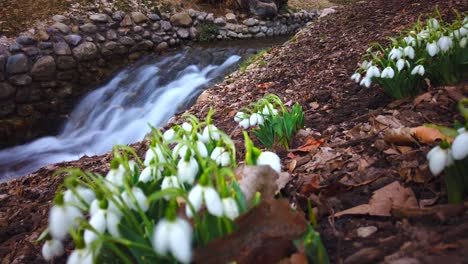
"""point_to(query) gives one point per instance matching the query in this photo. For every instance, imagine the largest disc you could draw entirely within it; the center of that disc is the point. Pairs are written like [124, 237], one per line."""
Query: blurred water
[149, 92]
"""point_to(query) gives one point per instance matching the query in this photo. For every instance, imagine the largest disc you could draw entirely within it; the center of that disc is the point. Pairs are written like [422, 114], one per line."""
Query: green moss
[207, 31]
[256, 58]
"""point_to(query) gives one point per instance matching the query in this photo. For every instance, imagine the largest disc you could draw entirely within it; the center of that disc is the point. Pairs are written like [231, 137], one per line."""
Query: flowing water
[120, 111]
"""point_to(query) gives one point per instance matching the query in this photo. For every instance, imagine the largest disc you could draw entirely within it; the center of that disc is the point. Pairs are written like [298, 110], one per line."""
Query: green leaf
[447, 131]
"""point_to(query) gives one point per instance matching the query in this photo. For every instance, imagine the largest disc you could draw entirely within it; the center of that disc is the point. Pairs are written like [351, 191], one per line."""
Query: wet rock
[366, 231]
[183, 33]
[231, 18]
[364, 256]
[15, 47]
[221, 22]
[44, 68]
[73, 39]
[181, 19]
[263, 8]
[85, 51]
[31, 51]
[61, 19]
[142, 46]
[6, 90]
[138, 17]
[146, 34]
[154, 17]
[166, 25]
[62, 48]
[126, 21]
[120, 49]
[118, 15]
[65, 62]
[20, 79]
[102, 18]
[127, 41]
[61, 27]
[25, 40]
[260, 35]
[254, 29]
[45, 45]
[89, 28]
[6, 108]
[17, 64]
[111, 35]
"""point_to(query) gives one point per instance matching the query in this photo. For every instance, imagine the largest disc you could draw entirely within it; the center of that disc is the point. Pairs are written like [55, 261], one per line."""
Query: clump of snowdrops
[273, 126]
[182, 195]
[452, 158]
[435, 50]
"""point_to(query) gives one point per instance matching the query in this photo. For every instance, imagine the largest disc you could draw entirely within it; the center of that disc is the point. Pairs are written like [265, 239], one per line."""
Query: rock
[366, 231]
[231, 18]
[6, 108]
[364, 256]
[327, 11]
[61, 19]
[43, 68]
[254, 29]
[100, 38]
[25, 40]
[27, 94]
[146, 34]
[134, 56]
[161, 46]
[220, 22]
[183, 33]
[64, 29]
[6, 90]
[62, 48]
[127, 41]
[20, 80]
[142, 46]
[181, 19]
[156, 38]
[45, 45]
[89, 28]
[3, 60]
[17, 64]
[15, 47]
[118, 15]
[73, 39]
[260, 35]
[66, 75]
[111, 34]
[156, 26]
[85, 51]
[42, 35]
[166, 25]
[193, 32]
[138, 17]
[110, 45]
[65, 62]
[209, 17]
[126, 22]
[31, 51]
[154, 17]
[250, 22]
[102, 18]
[25, 110]
[137, 29]
[263, 8]
[404, 260]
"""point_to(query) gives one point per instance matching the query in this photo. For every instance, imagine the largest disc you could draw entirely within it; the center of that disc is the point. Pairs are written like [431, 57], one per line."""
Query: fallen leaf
[427, 134]
[389, 121]
[292, 165]
[266, 85]
[425, 97]
[253, 179]
[263, 235]
[399, 136]
[442, 212]
[383, 200]
[282, 180]
[311, 143]
[314, 105]
[454, 93]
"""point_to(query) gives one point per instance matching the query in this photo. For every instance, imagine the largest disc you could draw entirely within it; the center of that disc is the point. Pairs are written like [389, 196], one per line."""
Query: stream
[149, 92]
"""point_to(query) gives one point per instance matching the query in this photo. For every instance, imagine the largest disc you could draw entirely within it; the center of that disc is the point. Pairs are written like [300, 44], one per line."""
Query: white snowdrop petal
[98, 221]
[51, 249]
[438, 161]
[253, 119]
[187, 170]
[140, 198]
[80, 256]
[187, 127]
[58, 222]
[149, 156]
[146, 175]
[112, 223]
[225, 160]
[180, 242]
[195, 198]
[202, 150]
[432, 49]
[230, 208]
[169, 134]
[161, 237]
[400, 64]
[270, 158]
[245, 123]
[239, 117]
[213, 201]
[460, 146]
[89, 237]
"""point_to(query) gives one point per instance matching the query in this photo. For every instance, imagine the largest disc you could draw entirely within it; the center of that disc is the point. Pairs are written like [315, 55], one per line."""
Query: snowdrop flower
[115, 176]
[221, 156]
[373, 71]
[424, 34]
[150, 173]
[365, 65]
[210, 132]
[270, 158]
[366, 81]
[244, 123]
[268, 109]
[94, 208]
[255, 119]
[80, 256]
[400, 64]
[356, 77]
[395, 53]
[410, 40]
[463, 42]
[444, 43]
[51, 249]
[87, 195]
[432, 49]
[154, 154]
[409, 52]
[174, 237]
[181, 150]
[439, 159]
[187, 170]
[140, 199]
[204, 194]
[239, 116]
[102, 220]
[230, 208]
[61, 219]
[202, 150]
[460, 146]
[187, 127]
[170, 182]
[419, 69]
[169, 134]
[458, 33]
[433, 23]
[388, 73]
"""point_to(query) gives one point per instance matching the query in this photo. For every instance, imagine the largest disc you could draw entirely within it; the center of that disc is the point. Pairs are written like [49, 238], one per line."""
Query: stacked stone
[42, 75]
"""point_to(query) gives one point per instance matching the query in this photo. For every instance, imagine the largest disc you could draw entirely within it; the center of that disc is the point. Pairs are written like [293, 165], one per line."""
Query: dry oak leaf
[427, 134]
[399, 136]
[383, 200]
[253, 179]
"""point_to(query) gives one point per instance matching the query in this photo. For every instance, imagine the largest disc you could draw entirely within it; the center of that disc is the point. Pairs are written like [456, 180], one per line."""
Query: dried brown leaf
[427, 134]
[399, 136]
[253, 179]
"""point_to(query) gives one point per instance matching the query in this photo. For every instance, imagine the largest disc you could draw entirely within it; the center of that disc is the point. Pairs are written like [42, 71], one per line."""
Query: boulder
[65, 62]
[127, 41]
[3, 60]
[85, 51]
[6, 108]
[231, 18]
[45, 45]
[182, 19]
[111, 34]
[220, 21]
[25, 40]
[31, 51]
[6, 90]
[142, 46]
[154, 17]
[126, 21]
[64, 29]
[138, 17]
[102, 18]
[17, 64]
[73, 39]
[89, 28]
[166, 25]
[183, 33]
[20, 79]
[161, 46]
[44, 68]
[62, 48]
[61, 19]
[250, 22]
[118, 15]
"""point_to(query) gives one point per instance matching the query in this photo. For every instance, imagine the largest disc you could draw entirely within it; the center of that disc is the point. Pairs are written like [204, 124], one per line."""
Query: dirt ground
[342, 159]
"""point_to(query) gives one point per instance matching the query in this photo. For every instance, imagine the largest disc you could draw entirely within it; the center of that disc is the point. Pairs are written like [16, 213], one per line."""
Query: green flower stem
[454, 185]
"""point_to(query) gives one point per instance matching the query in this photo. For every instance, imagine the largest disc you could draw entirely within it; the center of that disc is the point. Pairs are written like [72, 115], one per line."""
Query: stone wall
[42, 75]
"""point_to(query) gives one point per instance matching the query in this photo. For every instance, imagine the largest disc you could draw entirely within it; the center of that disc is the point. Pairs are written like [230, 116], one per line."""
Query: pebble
[367, 231]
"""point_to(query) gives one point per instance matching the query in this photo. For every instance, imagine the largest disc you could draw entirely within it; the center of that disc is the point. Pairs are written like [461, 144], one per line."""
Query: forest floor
[345, 157]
